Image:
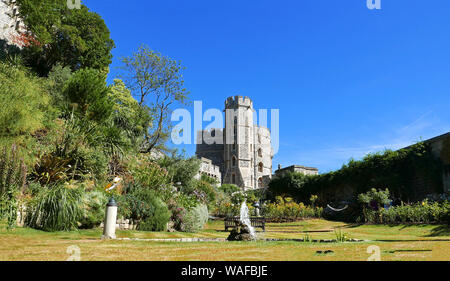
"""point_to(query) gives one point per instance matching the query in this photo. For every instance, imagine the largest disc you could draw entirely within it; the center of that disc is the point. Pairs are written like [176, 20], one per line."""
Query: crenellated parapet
[238, 101]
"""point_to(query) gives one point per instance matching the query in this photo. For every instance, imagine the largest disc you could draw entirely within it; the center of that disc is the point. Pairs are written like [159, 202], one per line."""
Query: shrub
[145, 207]
[12, 179]
[56, 208]
[195, 219]
[94, 203]
[148, 174]
[395, 169]
[24, 104]
[229, 188]
[419, 213]
[287, 210]
[374, 200]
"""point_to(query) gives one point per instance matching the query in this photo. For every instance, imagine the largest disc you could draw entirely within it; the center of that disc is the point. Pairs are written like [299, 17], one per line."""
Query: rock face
[240, 233]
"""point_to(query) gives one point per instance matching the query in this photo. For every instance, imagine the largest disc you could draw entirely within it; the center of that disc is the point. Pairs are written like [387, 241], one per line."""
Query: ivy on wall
[408, 173]
[445, 153]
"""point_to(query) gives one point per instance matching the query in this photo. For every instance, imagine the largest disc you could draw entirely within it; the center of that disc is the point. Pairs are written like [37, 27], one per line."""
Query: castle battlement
[236, 101]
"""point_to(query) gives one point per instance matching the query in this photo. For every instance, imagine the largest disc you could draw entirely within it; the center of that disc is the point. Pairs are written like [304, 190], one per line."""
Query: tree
[57, 79]
[127, 115]
[87, 95]
[157, 83]
[77, 38]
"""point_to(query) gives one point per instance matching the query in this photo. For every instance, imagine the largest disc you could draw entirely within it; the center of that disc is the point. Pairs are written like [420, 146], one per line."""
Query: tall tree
[77, 38]
[156, 81]
[86, 94]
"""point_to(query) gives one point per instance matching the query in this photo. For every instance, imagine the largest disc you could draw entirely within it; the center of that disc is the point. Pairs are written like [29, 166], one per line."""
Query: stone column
[109, 231]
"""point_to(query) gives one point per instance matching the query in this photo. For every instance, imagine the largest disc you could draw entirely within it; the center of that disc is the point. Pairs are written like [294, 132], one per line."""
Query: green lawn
[427, 242]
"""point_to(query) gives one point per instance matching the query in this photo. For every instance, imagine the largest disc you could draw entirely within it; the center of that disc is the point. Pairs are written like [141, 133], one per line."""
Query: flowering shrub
[287, 210]
[229, 201]
[421, 212]
[195, 219]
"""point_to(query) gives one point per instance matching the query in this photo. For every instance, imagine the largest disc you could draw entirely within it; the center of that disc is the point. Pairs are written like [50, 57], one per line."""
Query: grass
[397, 243]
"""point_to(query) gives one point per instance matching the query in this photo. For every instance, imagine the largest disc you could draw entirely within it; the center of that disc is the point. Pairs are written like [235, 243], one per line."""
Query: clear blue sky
[347, 80]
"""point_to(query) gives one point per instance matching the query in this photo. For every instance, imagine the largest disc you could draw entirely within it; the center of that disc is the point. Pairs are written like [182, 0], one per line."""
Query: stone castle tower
[245, 156]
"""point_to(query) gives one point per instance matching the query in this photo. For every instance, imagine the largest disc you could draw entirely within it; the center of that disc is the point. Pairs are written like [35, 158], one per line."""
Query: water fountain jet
[244, 230]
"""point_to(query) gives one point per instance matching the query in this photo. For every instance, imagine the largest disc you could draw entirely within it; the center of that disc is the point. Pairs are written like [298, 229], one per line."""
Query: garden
[67, 136]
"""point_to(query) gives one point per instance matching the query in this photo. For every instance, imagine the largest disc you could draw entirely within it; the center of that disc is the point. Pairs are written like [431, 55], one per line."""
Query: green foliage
[87, 95]
[195, 219]
[445, 153]
[229, 199]
[149, 174]
[157, 83]
[76, 38]
[285, 209]
[56, 82]
[208, 179]
[418, 213]
[341, 236]
[208, 190]
[55, 208]
[313, 199]
[289, 184]
[229, 188]
[94, 203]
[378, 197]
[13, 174]
[144, 207]
[394, 169]
[23, 104]
[131, 119]
[182, 171]
[72, 154]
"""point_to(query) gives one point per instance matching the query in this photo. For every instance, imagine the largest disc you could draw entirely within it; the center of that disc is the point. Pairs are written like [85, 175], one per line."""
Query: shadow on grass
[441, 230]
[412, 240]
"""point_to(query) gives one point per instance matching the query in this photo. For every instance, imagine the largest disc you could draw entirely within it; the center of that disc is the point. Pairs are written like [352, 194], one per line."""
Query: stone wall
[10, 23]
[209, 169]
[297, 168]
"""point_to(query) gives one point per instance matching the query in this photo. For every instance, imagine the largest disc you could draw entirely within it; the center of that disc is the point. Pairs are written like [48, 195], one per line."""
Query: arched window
[260, 182]
[233, 161]
[260, 167]
[260, 152]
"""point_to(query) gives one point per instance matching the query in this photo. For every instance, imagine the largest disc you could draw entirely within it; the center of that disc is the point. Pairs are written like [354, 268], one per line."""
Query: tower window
[234, 161]
[260, 167]
[260, 182]
[260, 152]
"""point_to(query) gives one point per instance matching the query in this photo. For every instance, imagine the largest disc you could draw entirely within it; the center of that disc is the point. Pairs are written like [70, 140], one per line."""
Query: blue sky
[347, 80]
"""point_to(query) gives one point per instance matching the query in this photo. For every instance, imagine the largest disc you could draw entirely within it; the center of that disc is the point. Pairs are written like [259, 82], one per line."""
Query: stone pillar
[109, 231]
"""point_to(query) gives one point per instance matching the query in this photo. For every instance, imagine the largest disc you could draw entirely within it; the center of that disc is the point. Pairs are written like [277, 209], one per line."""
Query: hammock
[337, 210]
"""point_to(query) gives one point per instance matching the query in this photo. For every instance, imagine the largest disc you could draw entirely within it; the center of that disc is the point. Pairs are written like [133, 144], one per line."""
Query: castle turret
[239, 149]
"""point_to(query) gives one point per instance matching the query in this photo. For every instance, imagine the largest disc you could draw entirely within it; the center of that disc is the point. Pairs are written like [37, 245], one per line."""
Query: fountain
[244, 231]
